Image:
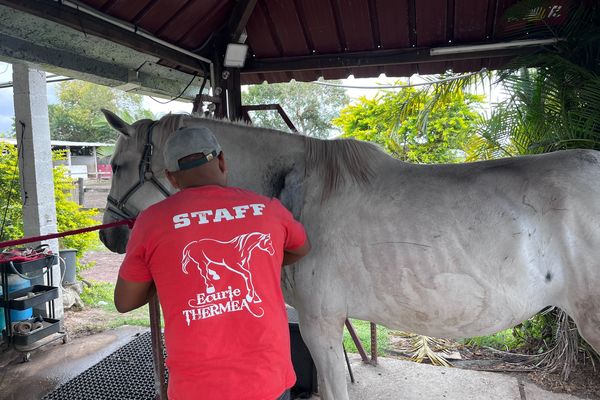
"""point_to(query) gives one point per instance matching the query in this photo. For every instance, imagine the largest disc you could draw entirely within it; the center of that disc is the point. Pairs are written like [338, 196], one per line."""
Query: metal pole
[95, 155]
[157, 350]
[373, 343]
[359, 346]
[81, 190]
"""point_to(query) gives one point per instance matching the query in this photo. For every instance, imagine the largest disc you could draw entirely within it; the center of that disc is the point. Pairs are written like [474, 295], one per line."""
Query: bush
[69, 215]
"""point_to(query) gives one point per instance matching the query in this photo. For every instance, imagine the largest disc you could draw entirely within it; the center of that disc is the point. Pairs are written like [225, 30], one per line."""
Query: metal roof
[287, 39]
[398, 32]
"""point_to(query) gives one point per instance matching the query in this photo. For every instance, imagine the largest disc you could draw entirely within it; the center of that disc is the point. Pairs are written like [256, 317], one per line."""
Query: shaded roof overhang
[287, 39]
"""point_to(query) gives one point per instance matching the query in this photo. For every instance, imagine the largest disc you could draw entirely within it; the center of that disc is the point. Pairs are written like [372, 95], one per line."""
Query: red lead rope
[10, 243]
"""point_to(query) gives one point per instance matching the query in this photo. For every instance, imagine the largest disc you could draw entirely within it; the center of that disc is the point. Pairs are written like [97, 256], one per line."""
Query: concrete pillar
[35, 159]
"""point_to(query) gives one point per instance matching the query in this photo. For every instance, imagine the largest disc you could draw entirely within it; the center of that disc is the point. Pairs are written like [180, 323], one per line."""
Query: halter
[118, 207]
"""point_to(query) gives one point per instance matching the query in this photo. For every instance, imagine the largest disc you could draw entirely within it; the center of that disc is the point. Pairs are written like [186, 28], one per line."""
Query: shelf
[29, 297]
[30, 266]
[49, 326]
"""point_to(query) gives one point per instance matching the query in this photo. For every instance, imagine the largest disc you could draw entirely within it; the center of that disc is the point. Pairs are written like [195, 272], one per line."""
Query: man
[214, 255]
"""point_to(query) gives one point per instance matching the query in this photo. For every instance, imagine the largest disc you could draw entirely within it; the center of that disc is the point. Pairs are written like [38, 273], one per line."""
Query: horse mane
[339, 161]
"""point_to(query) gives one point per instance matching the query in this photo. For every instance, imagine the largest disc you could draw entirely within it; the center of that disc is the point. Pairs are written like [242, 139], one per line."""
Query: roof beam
[81, 67]
[369, 59]
[239, 18]
[56, 12]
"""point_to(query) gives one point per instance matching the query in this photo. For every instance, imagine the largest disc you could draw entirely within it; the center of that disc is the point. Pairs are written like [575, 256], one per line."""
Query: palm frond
[423, 345]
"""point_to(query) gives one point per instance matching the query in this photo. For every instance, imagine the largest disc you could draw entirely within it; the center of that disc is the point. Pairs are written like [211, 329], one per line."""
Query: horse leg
[323, 337]
[203, 268]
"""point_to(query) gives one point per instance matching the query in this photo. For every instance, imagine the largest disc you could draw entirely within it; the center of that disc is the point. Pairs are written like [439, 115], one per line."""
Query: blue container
[15, 283]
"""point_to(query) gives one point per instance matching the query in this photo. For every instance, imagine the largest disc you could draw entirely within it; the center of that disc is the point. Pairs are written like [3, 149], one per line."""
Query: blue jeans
[285, 396]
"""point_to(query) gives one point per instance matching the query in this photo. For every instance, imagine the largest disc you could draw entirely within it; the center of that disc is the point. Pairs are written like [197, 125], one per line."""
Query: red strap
[10, 243]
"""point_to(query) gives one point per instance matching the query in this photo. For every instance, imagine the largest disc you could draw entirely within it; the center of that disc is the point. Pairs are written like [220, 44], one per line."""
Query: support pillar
[234, 95]
[35, 160]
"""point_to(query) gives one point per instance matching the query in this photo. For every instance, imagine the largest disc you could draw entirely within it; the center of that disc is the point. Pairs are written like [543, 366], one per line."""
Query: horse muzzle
[115, 239]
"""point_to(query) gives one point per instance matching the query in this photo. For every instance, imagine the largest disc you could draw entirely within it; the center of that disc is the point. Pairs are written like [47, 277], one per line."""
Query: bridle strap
[118, 207]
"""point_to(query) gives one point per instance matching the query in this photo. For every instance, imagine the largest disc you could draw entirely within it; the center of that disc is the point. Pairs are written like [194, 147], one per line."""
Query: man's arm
[130, 295]
[291, 256]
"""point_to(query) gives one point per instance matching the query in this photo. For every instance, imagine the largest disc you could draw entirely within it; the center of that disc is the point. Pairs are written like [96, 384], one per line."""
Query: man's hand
[291, 256]
[130, 295]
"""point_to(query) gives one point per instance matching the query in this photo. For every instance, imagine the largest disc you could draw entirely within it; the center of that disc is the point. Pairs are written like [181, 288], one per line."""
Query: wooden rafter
[239, 18]
[365, 59]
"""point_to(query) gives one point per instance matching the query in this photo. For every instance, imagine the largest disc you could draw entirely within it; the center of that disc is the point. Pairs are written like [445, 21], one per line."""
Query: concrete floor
[391, 380]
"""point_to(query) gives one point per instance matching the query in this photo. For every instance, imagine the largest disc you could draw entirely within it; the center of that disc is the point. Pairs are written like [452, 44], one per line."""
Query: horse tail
[185, 257]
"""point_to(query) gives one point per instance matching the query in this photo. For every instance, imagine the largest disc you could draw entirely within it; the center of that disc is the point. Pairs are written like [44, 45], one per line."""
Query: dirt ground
[105, 266]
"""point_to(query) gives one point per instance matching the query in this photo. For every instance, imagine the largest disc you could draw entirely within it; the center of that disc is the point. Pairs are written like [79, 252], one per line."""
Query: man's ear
[172, 179]
[222, 163]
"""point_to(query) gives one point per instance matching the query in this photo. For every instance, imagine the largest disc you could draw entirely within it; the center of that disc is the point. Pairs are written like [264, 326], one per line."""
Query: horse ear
[117, 123]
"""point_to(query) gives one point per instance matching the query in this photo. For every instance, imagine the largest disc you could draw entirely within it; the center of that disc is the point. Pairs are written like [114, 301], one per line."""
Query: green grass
[504, 340]
[100, 295]
[363, 330]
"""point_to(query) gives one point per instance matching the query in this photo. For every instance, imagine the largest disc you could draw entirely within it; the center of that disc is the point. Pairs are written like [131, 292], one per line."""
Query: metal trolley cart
[39, 330]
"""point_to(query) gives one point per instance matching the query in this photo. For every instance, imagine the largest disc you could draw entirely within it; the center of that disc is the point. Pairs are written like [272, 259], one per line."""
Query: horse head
[265, 244]
[138, 179]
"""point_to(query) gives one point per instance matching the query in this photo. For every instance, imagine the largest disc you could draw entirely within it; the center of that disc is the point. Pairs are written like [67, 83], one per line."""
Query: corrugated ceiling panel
[366, 72]
[336, 73]
[260, 38]
[356, 24]
[277, 77]
[470, 20]
[305, 76]
[465, 66]
[393, 23]
[400, 71]
[500, 23]
[432, 68]
[212, 22]
[191, 14]
[287, 27]
[125, 9]
[250, 79]
[159, 14]
[320, 26]
[431, 22]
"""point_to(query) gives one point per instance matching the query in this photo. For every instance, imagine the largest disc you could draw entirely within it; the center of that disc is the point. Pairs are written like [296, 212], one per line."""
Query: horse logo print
[212, 257]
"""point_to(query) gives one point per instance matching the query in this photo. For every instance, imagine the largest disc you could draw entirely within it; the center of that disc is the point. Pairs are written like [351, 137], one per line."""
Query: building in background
[87, 160]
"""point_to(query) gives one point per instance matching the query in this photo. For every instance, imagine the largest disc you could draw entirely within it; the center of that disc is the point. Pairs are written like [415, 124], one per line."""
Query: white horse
[442, 250]
[233, 255]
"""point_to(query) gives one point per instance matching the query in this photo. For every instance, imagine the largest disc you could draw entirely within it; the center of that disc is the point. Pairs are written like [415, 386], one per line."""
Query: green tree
[311, 107]
[77, 114]
[394, 120]
[69, 215]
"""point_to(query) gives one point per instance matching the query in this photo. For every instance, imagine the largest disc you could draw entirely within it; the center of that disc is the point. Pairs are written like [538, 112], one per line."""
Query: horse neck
[247, 243]
[256, 156]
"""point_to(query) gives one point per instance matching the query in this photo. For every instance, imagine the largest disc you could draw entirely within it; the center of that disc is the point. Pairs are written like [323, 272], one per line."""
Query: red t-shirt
[215, 256]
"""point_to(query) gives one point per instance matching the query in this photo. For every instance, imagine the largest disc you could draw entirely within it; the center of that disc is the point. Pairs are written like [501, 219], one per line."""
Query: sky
[7, 108]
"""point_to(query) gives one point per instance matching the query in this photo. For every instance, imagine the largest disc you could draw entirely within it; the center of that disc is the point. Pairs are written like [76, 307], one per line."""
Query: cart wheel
[26, 357]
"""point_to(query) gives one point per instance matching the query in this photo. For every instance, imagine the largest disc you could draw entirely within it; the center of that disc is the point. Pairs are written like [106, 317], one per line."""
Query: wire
[180, 94]
[453, 78]
[12, 182]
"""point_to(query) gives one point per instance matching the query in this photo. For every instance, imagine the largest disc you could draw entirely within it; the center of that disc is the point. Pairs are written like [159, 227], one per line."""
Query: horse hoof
[210, 290]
